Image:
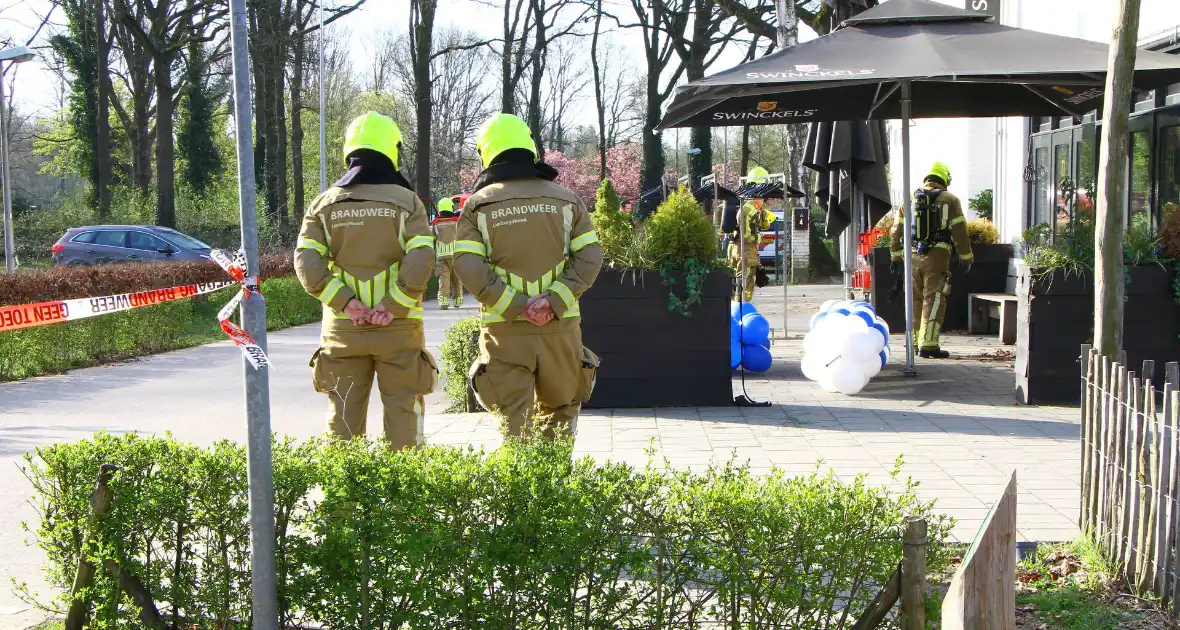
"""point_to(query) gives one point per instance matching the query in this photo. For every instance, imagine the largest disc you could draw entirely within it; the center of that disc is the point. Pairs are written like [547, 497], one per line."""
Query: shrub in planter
[658, 315]
[527, 537]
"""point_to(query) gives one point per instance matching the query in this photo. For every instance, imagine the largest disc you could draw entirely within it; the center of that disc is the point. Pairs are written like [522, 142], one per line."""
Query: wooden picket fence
[1130, 477]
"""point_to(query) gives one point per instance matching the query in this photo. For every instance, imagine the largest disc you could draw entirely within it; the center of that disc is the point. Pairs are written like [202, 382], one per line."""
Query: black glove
[896, 267]
[966, 268]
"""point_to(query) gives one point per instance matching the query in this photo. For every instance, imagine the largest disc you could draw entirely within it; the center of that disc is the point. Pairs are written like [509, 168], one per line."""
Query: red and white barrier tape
[21, 316]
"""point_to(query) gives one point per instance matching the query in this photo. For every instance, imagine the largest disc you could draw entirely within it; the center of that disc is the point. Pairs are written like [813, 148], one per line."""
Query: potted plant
[1055, 289]
[658, 314]
[989, 274]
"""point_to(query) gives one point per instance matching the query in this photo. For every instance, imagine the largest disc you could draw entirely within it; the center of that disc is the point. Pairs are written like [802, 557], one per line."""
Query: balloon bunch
[847, 346]
[749, 338]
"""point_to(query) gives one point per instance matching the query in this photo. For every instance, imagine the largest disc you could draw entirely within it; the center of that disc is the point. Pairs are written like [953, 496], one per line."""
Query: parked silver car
[99, 244]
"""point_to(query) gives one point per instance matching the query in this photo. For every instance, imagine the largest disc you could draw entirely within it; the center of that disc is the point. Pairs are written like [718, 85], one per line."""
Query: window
[184, 240]
[1169, 170]
[1144, 101]
[1063, 208]
[85, 237]
[110, 238]
[1086, 180]
[1140, 199]
[141, 240]
[1041, 187]
[1173, 97]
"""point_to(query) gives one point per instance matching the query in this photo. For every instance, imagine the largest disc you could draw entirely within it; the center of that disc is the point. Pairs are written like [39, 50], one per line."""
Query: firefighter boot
[535, 377]
[344, 369]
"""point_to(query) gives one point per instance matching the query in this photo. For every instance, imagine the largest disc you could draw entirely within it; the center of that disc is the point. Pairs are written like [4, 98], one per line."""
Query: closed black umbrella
[850, 157]
[913, 58]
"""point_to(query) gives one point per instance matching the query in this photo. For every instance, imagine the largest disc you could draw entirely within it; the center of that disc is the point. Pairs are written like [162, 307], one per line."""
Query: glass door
[1139, 192]
[1085, 171]
[1041, 190]
[1062, 178]
[1169, 163]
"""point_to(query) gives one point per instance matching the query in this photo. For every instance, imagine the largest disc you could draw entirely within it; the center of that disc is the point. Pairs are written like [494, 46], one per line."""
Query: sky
[35, 89]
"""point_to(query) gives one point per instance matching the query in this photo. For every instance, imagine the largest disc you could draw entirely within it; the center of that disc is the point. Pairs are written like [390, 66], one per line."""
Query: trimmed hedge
[65, 283]
[522, 538]
[142, 331]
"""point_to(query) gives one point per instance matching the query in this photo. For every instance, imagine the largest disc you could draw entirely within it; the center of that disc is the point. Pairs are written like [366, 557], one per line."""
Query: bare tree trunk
[507, 86]
[745, 161]
[599, 105]
[165, 144]
[102, 144]
[299, 49]
[422, 28]
[1112, 180]
[538, 62]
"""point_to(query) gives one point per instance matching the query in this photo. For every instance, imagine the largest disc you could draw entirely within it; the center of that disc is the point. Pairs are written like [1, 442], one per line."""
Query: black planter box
[988, 274]
[1055, 316]
[654, 357]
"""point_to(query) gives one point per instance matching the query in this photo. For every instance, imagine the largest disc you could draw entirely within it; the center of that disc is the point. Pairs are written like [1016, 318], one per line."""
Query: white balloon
[826, 382]
[813, 342]
[825, 348]
[883, 323]
[811, 322]
[861, 346]
[847, 376]
[872, 367]
[812, 367]
[827, 306]
[832, 322]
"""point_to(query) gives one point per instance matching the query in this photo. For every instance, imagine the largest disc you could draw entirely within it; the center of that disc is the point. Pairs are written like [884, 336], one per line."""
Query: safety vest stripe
[505, 300]
[471, 247]
[444, 249]
[967, 257]
[401, 230]
[517, 282]
[533, 289]
[400, 297]
[333, 287]
[380, 286]
[942, 245]
[422, 240]
[415, 313]
[481, 220]
[313, 245]
[582, 241]
[567, 296]
[955, 221]
[567, 226]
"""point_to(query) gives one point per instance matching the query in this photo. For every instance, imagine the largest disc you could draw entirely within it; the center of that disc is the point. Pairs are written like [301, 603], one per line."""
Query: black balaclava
[366, 166]
[514, 164]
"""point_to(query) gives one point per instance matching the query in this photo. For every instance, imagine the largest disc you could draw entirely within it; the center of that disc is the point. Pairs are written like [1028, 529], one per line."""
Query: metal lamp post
[16, 54]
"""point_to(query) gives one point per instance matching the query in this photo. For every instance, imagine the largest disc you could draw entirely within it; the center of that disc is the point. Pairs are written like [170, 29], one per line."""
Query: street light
[16, 54]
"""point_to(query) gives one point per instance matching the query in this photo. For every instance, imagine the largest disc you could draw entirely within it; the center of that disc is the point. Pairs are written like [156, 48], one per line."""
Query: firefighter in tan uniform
[527, 251]
[754, 220]
[938, 222]
[445, 226]
[365, 251]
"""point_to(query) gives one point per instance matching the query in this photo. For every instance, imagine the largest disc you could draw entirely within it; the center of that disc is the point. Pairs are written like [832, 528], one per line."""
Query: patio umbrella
[913, 58]
[850, 157]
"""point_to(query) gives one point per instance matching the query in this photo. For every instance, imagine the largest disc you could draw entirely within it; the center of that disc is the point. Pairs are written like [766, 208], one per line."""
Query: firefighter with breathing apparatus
[755, 219]
[938, 226]
[365, 251]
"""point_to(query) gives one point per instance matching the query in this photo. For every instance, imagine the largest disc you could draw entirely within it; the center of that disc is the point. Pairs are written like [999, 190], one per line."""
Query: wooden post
[913, 574]
[1112, 181]
[982, 595]
[1086, 429]
[881, 604]
[1167, 591]
[100, 502]
[1102, 471]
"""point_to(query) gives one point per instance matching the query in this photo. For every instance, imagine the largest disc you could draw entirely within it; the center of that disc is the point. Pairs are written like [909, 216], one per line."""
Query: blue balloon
[866, 305]
[735, 329]
[738, 310]
[756, 358]
[865, 315]
[842, 310]
[884, 358]
[881, 329]
[755, 330]
[735, 353]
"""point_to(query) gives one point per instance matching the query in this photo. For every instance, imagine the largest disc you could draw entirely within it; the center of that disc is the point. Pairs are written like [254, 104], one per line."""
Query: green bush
[613, 226]
[680, 231]
[526, 537]
[982, 204]
[459, 349]
[142, 331]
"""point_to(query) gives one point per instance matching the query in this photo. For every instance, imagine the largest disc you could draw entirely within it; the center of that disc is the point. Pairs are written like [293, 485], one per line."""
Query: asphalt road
[196, 394]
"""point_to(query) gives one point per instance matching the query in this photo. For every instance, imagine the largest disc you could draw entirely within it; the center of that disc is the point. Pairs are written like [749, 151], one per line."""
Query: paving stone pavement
[956, 427]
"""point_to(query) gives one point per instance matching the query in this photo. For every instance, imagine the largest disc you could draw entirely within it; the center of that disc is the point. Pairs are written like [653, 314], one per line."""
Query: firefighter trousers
[534, 377]
[747, 276]
[932, 287]
[348, 360]
[450, 289]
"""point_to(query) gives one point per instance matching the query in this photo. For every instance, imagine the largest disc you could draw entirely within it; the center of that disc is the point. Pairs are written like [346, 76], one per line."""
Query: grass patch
[143, 331]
